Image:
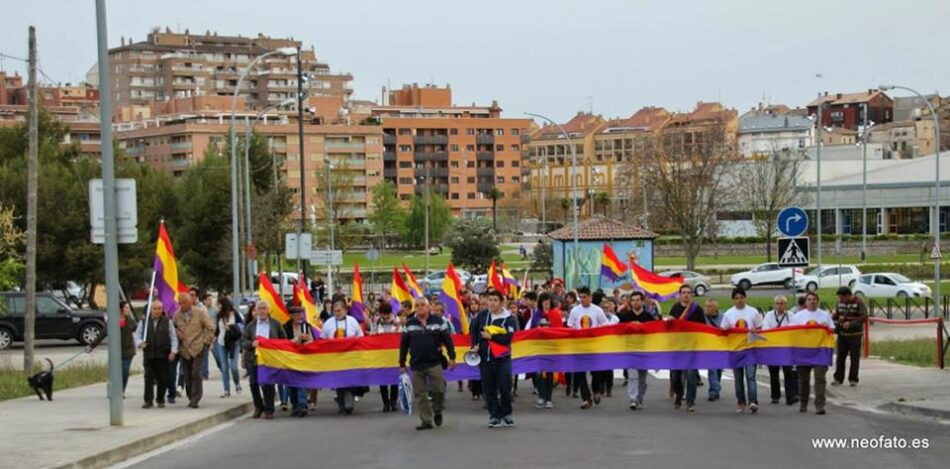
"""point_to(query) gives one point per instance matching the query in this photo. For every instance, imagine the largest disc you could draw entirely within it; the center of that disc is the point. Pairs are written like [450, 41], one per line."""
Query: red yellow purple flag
[610, 266]
[266, 291]
[414, 289]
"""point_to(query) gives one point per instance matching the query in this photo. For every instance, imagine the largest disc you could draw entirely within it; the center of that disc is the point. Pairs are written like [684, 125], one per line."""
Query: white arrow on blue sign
[792, 221]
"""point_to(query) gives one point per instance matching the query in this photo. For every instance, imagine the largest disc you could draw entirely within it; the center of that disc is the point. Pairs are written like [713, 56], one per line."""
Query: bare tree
[687, 173]
[766, 186]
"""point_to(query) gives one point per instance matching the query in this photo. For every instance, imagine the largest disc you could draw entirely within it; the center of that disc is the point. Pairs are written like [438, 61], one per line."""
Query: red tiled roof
[704, 111]
[648, 118]
[601, 229]
[582, 123]
[847, 98]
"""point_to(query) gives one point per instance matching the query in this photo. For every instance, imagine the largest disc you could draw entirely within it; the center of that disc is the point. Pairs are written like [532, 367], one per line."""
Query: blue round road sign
[792, 221]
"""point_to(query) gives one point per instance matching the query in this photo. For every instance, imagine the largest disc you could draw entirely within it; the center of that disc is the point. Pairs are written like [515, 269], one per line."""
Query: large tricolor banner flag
[398, 291]
[414, 289]
[452, 300]
[610, 265]
[266, 292]
[655, 286]
[663, 345]
[166, 272]
[303, 299]
[356, 301]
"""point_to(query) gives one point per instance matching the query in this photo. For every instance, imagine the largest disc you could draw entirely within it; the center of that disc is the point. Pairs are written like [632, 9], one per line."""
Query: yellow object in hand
[494, 330]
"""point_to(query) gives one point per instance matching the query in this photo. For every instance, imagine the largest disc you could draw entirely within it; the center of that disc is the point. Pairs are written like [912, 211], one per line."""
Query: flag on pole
[495, 279]
[356, 302]
[610, 266]
[414, 289]
[166, 272]
[303, 299]
[450, 296]
[655, 286]
[266, 291]
[398, 292]
[512, 287]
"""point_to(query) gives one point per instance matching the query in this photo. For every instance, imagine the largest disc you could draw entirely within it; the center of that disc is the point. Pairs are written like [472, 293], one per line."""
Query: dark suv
[54, 320]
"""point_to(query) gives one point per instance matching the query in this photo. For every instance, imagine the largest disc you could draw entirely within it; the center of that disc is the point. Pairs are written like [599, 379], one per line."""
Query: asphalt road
[607, 436]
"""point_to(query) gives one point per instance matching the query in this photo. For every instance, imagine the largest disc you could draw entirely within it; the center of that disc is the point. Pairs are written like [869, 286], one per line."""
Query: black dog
[43, 381]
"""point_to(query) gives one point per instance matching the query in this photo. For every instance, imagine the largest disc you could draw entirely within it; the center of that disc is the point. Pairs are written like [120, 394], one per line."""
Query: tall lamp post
[544, 213]
[570, 146]
[235, 238]
[864, 183]
[935, 218]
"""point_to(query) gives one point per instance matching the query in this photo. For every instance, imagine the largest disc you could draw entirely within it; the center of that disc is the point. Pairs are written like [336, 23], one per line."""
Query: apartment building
[170, 65]
[173, 136]
[458, 152]
[846, 109]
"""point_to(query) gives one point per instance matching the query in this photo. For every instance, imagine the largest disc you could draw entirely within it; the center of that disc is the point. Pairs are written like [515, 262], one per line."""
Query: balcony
[389, 156]
[420, 189]
[485, 156]
[485, 172]
[278, 147]
[344, 146]
[431, 139]
[485, 139]
[180, 146]
[181, 163]
[431, 156]
[389, 173]
[432, 172]
[484, 187]
[389, 139]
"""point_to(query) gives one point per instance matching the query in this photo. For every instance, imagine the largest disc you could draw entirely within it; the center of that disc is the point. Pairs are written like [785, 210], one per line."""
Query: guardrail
[943, 338]
[907, 307]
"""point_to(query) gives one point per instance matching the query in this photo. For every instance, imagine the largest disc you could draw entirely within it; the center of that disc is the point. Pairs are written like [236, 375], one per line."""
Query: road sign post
[793, 252]
[792, 221]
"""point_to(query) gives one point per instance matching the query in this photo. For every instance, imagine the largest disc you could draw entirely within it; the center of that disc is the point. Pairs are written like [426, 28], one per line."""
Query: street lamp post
[864, 186]
[935, 219]
[570, 146]
[821, 107]
[544, 213]
[235, 238]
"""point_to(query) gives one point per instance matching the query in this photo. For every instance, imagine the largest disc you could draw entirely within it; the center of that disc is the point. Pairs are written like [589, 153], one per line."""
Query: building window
[455, 148]
[516, 148]
[454, 180]
[515, 164]
[403, 196]
[515, 179]
[469, 131]
[455, 196]
[470, 195]
[454, 164]
[499, 131]
[405, 164]
[499, 164]
[515, 131]
[469, 147]
[453, 131]
[405, 131]
[470, 180]
[499, 148]
[405, 148]
[406, 181]
[500, 179]
[837, 116]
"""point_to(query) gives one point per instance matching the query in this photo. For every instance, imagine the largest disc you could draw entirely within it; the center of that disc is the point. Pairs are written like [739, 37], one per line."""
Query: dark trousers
[475, 386]
[173, 377]
[579, 379]
[263, 394]
[848, 346]
[601, 380]
[390, 395]
[194, 377]
[126, 365]
[688, 377]
[156, 373]
[544, 381]
[804, 386]
[496, 384]
[791, 383]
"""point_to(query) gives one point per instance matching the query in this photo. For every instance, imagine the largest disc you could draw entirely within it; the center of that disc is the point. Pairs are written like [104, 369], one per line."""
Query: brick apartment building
[171, 65]
[461, 151]
[844, 109]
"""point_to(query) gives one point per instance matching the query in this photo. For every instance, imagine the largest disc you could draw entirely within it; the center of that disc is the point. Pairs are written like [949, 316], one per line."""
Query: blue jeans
[745, 378]
[298, 397]
[228, 365]
[126, 364]
[715, 384]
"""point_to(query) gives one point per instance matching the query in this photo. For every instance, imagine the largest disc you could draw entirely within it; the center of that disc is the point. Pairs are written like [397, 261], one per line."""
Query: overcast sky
[552, 57]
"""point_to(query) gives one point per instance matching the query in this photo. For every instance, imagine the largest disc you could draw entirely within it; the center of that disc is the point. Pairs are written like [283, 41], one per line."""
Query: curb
[116, 455]
[913, 410]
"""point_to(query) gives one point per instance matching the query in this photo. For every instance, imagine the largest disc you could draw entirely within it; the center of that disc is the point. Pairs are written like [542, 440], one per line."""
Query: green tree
[11, 237]
[494, 194]
[202, 238]
[440, 220]
[566, 207]
[602, 199]
[542, 257]
[474, 245]
[388, 220]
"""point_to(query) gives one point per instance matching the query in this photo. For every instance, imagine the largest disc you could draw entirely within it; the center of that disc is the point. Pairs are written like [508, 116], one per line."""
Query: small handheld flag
[266, 291]
[303, 298]
[414, 289]
[356, 304]
[653, 285]
[452, 300]
[166, 272]
[399, 292]
[610, 266]
[495, 279]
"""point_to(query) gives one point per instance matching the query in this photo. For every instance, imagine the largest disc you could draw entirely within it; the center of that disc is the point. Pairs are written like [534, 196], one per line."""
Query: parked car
[54, 320]
[287, 281]
[480, 284]
[889, 285]
[831, 277]
[699, 282]
[769, 273]
[432, 283]
[73, 293]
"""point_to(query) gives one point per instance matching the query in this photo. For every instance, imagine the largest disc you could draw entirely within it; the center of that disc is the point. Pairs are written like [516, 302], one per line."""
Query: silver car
[698, 282]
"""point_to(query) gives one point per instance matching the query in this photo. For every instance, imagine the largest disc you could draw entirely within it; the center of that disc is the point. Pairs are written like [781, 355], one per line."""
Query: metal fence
[907, 307]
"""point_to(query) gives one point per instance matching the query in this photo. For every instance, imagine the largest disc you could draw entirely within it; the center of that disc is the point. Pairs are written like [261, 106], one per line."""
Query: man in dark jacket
[156, 337]
[850, 314]
[301, 333]
[423, 339]
[262, 326]
[495, 353]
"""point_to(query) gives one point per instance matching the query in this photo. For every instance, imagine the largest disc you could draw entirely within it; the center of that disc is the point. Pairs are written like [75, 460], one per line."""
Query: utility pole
[427, 217]
[111, 246]
[29, 322]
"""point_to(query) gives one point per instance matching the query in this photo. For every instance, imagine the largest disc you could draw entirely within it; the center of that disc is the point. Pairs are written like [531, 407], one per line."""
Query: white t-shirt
[747, 317]
[773, 320]
[585, 317]
[223, 328]
[818, 316]
[333, 329]
[612, 319]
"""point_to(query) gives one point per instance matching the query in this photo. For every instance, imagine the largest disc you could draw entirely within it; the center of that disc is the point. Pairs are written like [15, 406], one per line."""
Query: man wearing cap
[849, 316]
[423, 339]
[300, 333]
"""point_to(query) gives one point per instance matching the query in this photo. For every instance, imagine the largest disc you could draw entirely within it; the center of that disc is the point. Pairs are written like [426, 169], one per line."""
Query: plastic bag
[405, 394]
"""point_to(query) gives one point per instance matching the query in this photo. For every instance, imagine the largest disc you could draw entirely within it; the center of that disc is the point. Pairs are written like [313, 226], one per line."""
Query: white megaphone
[472, 358]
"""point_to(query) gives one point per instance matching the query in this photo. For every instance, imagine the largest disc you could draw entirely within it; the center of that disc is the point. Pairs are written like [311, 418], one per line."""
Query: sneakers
[634, 405]
[597, 399]
[713, 397]
[691, 408]
[820, 412]
[147, 406]
[225, 395]
[539, 404]
[740, 409]
[775, 401]
[424, 426]
[283, 406]
[753, 407]
[836, 383]
[677, 404]
[494, 423]
[548, 405]
[853, 383]
[437, 418]
[586, 405]
[508, 421]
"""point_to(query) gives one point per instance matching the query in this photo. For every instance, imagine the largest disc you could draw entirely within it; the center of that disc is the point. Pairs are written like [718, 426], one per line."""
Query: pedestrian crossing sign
[793, 252]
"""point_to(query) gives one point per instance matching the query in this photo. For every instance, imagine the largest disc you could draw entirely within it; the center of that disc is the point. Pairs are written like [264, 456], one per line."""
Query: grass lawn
[917, 352]
[13, 382]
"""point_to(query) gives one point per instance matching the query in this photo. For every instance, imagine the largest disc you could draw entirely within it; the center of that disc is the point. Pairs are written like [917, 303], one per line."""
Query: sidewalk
[73, 430]
[892, 387]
